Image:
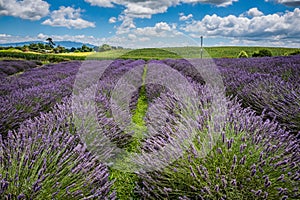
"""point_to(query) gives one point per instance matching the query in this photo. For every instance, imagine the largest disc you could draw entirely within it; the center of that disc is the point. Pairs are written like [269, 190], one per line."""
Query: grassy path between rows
[125, 182]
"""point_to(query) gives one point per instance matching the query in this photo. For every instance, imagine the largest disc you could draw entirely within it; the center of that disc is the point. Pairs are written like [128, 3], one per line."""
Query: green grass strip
[138, 124]
[125, 182]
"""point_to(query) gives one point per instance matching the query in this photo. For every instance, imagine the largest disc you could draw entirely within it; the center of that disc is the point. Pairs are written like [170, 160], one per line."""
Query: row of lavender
[270, 86]
[253, 158]
[11, 67]
[34, 91]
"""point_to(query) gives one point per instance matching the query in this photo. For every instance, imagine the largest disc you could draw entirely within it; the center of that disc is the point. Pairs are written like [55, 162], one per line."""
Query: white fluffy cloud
[112, 20]
[137, 8]
[183, 17]
[254, 12]
[219, 3]
[274, 26]
[145, 9]
[68, 17]
[126, 25]
[25, 9]
[161, 34]
[294, 3]
[101, 3]
[160, 29]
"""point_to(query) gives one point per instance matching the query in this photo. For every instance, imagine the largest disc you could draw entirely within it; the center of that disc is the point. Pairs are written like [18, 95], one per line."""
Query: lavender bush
[43, 159]
[34, 91]
[266, 84]
[252, 159]
[276, 98]
[186, 69]
[10, 67]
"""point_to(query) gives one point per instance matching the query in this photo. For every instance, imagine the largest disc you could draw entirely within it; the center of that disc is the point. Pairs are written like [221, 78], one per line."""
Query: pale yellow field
[11, 50]
[76, 54]
[17, 51]
[112, 54]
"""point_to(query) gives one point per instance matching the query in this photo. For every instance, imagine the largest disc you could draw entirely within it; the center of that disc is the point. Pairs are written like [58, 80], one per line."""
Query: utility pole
[201, 50]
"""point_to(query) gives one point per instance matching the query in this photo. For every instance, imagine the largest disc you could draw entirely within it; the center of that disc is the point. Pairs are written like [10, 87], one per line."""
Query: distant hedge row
[41, 57]
[263, 53]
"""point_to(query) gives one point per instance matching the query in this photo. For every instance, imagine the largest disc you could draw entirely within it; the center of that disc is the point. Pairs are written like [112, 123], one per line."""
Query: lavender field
[45, 154]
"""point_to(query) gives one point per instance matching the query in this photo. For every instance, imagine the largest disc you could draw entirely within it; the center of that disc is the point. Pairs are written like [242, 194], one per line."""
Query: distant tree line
[50, 47]
[106, 47]
[263, 53]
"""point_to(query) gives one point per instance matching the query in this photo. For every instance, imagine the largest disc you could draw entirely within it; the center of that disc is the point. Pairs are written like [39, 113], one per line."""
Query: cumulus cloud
[6, 38]
[219, 3]
[293, 3]
[112, 20]
[101, 3]
[183, 17]
[145, 9]
[137, 8]
[133, 38]
[68, 17]
[42, 36]
[254, 12]
[161, 29]
[162, 34]
[26, 9]
[274, 26]
[126, 25]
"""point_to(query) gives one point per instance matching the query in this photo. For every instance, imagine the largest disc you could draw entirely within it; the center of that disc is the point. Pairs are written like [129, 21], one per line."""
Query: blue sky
[139, 23]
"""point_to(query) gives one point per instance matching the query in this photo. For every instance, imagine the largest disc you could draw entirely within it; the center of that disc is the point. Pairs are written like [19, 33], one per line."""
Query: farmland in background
[186, 52]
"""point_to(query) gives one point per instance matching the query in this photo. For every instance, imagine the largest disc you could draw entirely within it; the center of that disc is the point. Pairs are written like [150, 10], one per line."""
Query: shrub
[262, 53]
[54, 59]
[243, 54]
[294, 53]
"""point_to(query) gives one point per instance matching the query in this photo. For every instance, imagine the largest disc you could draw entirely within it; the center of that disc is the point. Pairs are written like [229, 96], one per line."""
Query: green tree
[25, 48]
[41, 46]
[72, 49]
[262, 53]
[85, 48]
[59, 49]
[50, 41]
[34, 47]
[48, 47]
[105, 47]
